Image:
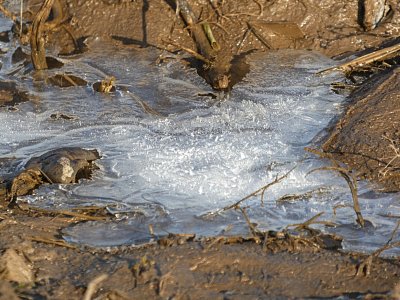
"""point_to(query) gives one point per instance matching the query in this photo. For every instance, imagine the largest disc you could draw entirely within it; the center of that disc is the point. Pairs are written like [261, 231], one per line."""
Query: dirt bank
[367, 137]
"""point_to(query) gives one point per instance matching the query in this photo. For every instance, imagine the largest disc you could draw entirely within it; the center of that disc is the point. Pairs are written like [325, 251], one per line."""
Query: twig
[245, 35]
[365, 266]
[256, 233]
[214, 5]
[345, 173]
[312, 220]
[262, 190]
[190, 51]
[7, 13]
[364, 60]
[260, 6]
[92, 286]
[213, 42]
[67, 213]
[37, 41]
[396, 151]
[321, 154]
[335, 208]
[303, 196]
[352, 183]
[60, 243]
[57, 12]
[199, 34]
[20, 17]
[389, 215]
[146, 108]
[241, 14]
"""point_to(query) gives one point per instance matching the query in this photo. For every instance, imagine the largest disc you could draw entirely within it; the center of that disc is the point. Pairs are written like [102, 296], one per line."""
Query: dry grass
[390, 166]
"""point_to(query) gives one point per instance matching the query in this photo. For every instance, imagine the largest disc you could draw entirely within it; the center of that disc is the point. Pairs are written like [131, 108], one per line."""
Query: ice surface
[202, 155]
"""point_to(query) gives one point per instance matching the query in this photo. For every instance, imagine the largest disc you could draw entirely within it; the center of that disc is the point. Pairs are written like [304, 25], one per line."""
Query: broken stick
[38, 52]
[215, 72]
[365, 60]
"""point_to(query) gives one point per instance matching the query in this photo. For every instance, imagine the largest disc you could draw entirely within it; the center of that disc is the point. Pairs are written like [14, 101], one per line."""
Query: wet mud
[234, 28]
[37, 263]
[367, 137]
[179, 266]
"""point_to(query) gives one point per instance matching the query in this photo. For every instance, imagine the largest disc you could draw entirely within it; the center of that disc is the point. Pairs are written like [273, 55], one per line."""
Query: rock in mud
[65, 165]
[14, 267]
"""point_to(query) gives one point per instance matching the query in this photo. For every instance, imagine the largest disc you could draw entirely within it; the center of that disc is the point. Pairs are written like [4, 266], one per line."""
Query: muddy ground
[180, 267]
[36, 263]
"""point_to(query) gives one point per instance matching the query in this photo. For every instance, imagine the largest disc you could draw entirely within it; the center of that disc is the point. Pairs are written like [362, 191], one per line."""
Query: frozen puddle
[201, 156]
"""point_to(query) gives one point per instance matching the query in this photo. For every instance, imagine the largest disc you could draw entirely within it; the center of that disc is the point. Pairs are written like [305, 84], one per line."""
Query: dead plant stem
[364, 60]
[37, 41]
[260, 190]
[93, 285]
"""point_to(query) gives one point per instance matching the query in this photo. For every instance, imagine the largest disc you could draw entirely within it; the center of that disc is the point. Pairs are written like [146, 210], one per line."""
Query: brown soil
[333, 28]
[179, 267]
[367, 137]
[238, 27]
[36, 264]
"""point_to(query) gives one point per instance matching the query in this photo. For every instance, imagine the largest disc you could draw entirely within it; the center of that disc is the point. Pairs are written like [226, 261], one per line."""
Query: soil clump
[64, 165]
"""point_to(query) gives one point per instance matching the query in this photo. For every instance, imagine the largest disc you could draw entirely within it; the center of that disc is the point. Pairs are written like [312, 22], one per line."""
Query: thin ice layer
[200, 156]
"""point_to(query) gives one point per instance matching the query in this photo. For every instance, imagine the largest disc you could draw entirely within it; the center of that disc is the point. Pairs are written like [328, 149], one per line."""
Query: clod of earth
[106, 86]
[62, 116]
[10, 95]
[64, 165]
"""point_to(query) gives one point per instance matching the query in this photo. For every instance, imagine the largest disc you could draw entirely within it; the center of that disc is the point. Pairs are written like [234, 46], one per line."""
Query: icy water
[198, 154]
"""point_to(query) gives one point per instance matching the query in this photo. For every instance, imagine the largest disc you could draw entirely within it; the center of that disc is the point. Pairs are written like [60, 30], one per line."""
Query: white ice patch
[203, 155]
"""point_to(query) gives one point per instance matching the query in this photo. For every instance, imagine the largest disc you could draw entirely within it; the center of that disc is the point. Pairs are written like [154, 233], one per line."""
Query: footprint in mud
[65, 165]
